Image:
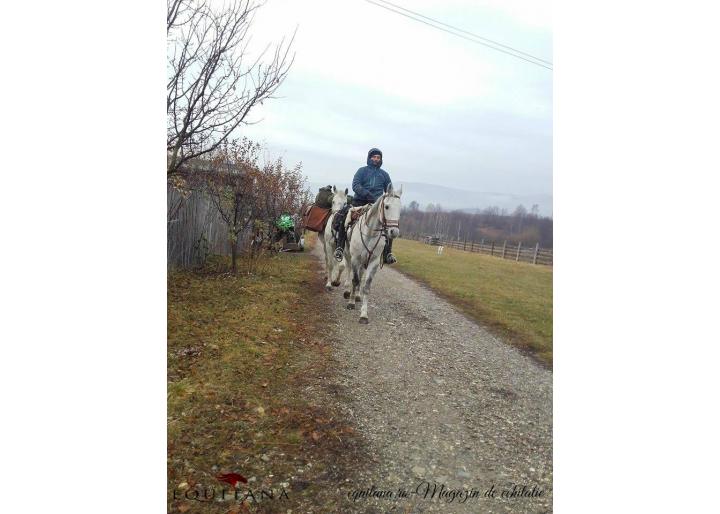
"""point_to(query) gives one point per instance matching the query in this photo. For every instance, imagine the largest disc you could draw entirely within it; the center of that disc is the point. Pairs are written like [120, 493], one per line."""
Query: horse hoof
[328, 288]
[364, 321]
[346, 294]
[358, 299]
[336, 283]
[351, 306]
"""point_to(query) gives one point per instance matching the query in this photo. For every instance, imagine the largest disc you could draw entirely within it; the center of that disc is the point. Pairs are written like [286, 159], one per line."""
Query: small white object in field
[440, 250]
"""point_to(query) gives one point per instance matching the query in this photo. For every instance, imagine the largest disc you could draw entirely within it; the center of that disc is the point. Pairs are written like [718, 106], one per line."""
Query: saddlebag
[315, 218]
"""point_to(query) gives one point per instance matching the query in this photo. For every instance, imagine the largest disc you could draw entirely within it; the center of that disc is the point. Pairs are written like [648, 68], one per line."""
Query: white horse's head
[391, 214]
[339, 199]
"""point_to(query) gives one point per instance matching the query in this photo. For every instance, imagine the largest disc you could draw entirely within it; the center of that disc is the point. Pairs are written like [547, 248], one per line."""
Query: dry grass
[514, 299]
[239, 350]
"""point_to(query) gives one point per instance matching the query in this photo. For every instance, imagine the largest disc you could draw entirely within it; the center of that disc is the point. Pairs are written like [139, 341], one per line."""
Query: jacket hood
[371, 152]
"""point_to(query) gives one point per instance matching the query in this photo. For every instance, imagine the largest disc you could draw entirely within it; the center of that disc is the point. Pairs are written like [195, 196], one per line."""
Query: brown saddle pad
[315, 218]
[354, 215]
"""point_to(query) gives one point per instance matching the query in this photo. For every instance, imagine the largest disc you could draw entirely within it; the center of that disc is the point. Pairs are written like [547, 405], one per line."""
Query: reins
[386, 223]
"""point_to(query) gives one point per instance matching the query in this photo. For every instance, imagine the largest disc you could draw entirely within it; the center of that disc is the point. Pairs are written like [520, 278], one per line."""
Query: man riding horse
[369, 183]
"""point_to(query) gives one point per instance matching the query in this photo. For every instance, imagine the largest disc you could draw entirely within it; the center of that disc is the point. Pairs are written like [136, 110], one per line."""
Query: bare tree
[518, 216]
[212, 84]
[231, 186]
[490, 223]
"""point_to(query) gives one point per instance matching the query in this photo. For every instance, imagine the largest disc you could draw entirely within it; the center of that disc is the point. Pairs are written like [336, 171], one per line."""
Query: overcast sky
[442, 109]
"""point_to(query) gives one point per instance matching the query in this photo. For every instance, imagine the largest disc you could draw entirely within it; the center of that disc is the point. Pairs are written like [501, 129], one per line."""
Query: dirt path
[438, 400]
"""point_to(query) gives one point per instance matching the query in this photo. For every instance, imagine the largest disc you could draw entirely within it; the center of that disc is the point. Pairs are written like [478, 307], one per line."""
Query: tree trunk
[233, 250]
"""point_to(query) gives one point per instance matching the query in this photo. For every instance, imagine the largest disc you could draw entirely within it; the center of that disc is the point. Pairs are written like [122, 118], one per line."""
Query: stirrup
[339, 254]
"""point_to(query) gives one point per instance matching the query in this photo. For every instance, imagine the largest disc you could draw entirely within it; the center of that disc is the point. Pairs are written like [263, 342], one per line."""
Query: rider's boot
[340, 250]
[388, 256]
[341, 235]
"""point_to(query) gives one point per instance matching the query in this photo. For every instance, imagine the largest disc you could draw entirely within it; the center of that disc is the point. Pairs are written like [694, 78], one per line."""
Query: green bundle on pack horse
[288, 235]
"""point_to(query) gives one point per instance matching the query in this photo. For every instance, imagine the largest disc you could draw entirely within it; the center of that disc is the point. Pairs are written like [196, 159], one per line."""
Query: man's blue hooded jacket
[370, 182]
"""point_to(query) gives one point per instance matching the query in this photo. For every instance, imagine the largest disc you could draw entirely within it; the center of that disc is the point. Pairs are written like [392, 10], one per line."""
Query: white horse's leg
[357, 291]
[337, 270]
[355, 271]
[365, 289]
[360, 256]
[348, 275]
[328, 263]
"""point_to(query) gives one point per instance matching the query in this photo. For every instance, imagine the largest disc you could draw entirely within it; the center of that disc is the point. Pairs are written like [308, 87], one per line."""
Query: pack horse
[327, 240]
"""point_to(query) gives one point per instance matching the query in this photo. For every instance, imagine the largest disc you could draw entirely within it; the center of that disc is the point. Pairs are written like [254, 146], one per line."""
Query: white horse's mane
[375, 205]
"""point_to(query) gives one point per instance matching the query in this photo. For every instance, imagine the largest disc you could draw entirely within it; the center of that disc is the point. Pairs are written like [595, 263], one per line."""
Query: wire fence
[511, 251]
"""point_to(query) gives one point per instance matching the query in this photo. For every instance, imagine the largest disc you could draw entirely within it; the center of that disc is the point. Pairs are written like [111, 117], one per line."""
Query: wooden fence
[194, 230]
[516, 252]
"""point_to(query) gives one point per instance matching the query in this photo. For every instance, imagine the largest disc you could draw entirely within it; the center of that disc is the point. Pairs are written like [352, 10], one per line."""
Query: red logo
[232, 479]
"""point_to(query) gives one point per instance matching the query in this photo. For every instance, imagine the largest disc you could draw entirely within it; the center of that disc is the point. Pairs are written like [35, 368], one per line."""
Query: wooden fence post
[465, 244]
[517, 255]
[504, 245]
[482, 242]
[472, 246]
[492, 248]
[537, 247]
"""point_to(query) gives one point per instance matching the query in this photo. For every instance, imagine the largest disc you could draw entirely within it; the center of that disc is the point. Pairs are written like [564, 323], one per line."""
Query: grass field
[239, 350]
[513, 299]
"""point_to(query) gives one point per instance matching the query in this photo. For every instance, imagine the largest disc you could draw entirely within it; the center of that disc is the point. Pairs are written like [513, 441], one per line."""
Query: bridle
[386, 223]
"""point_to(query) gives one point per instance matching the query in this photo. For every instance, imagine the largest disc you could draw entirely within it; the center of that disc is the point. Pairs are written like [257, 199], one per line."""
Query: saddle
[354, 214]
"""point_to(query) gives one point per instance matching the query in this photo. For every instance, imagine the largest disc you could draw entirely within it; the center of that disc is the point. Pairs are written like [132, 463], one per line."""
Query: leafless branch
[212, 84]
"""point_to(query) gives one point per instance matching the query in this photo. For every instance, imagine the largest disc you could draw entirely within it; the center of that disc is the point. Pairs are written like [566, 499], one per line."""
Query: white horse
[333, 268]
[366, 240]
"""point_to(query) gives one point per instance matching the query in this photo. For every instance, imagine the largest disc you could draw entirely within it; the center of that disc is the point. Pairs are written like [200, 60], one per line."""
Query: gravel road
[441, 405]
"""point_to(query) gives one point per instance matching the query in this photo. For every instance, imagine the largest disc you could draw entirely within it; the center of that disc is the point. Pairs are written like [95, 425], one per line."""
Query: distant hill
[462, 199]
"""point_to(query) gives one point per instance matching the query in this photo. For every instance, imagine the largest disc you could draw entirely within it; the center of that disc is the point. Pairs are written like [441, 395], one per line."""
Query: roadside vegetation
[240, 349]
[513, 299]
